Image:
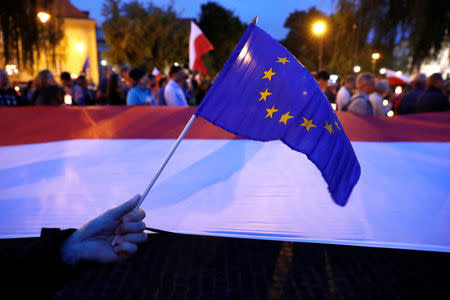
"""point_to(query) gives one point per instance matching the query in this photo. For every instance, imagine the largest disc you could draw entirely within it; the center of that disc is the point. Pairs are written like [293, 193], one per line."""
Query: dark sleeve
[35, 266]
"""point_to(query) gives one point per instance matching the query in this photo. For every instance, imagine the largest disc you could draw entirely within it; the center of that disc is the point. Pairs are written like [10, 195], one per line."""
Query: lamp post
[375, 57]
[318, 29]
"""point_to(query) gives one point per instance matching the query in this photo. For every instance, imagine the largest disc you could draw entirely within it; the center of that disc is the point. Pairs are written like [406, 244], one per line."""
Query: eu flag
[263, 93]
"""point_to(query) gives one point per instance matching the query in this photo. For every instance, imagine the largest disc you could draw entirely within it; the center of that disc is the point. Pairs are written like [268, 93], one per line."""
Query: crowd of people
[128, 86]
[364, 94]
[371, 95]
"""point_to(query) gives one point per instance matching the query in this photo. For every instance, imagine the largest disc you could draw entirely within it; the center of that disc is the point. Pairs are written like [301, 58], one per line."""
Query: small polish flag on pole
[198, 45]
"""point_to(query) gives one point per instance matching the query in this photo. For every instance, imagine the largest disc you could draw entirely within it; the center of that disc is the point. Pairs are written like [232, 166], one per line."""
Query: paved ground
[193, 267]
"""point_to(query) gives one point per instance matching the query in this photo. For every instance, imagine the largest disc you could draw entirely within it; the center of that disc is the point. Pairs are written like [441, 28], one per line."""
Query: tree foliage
[223, 30]
[25, 38]
[360, 27]
[144, 35]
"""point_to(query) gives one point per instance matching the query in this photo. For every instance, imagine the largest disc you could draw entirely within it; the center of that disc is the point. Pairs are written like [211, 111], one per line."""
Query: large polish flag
[61, 166]
[198, 45]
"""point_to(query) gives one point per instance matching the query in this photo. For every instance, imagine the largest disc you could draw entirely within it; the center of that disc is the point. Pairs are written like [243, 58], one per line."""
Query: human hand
[92, 242]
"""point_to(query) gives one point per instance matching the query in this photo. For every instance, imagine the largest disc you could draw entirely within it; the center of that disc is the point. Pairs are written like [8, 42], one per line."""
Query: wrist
[70, 250]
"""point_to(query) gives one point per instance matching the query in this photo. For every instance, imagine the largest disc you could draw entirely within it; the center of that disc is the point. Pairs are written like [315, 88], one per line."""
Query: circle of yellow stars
[307, 123]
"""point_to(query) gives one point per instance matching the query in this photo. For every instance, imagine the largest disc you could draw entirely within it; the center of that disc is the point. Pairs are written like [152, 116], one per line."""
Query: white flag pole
[166, 160]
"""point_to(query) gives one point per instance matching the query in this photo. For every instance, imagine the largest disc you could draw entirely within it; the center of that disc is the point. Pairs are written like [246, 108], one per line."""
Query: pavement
[172, 266]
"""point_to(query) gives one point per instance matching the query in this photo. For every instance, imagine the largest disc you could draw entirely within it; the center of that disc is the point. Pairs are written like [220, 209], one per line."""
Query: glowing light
[176, 64]
[68, 99]
[385, 102]
[383, 71]
[319, 28]
[333, 105]
[104, 62]
[79, 47]
[43, 16]
[356, 69]
[399, 73]
[376, 55]
[398, 90]
[10, 69]
[74, 76]
[390, 113]
[16, 88]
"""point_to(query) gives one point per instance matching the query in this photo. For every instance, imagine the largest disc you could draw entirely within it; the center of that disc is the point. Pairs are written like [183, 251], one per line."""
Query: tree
[144, 35]
[223, 30]
[25, 38]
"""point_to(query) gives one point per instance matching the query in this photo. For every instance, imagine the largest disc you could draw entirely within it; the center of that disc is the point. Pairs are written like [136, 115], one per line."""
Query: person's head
[65, 78]
[44, 79]
[349, 82]
[162, 81]
[4, 79]
[435, 81]
[419, 81]
[365, 82]
[382, 87]
[138, 76]
[124, 72]
[176, 74]
[82, 81]
[322, 78]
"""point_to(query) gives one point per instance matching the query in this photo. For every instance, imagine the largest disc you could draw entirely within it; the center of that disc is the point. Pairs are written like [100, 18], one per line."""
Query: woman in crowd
[47, 92]
[140, 93]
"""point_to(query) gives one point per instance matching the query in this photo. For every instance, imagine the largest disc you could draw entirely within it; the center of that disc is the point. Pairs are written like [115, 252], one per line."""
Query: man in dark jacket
[409, 101]
[433, 99]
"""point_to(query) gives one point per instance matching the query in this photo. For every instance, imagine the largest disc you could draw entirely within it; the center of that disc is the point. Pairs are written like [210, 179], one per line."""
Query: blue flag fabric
[263, 93]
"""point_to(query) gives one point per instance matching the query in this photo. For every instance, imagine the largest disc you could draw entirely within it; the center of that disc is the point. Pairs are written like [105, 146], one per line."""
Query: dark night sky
[272, 14]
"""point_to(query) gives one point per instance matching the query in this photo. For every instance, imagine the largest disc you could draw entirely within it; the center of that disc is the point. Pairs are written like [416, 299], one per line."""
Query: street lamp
[43, 17]
[318, 29]
[375, 57]
[356, 69]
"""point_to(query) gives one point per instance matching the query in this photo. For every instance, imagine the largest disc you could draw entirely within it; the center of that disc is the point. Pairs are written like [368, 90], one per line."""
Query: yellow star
[268, 74]
[270, 111]
[282, 60]
[307, 124]
[329, 127]
[264, 95]
[337, 125]
[285, 117]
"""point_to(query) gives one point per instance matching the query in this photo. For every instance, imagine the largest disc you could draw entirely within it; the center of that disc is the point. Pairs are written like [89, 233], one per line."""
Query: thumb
[121, 210]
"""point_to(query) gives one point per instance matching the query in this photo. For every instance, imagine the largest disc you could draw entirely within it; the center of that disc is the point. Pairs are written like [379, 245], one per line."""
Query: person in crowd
[125, 83]
[72, 88]
[203, 90]
[27, 93]
[8, 96]
[359, 103]
[408, 102]
[88, 97]
[433, 99]
[100, 95]
[173, 92]
[377, 97]
[160, 94]
[345, 93]
[114, 90]
[48, 263]
[322, 78]
[46, 91]
[140, 94]
[152, 88]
